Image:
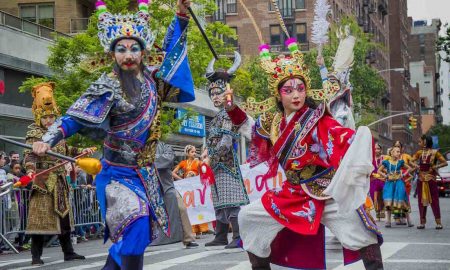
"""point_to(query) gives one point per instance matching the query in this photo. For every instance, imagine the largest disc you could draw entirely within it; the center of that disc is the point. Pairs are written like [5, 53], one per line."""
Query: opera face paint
[293, 95]
[217, 96]
[128, 54]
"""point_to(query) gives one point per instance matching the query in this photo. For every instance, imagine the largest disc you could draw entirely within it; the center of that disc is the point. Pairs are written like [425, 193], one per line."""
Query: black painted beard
[131, 85]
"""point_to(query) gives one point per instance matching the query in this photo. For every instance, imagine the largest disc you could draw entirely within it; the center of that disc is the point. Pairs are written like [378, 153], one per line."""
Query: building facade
[422, 48]
[444, 76]
[66, 16]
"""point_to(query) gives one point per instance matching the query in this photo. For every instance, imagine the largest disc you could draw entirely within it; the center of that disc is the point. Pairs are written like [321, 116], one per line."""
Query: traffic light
[412, 122]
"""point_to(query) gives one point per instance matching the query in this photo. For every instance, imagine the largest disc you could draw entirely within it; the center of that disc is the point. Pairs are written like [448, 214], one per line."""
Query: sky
[429, 9]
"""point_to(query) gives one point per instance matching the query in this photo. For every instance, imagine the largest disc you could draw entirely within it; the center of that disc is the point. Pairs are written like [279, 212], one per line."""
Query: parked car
[443, 180]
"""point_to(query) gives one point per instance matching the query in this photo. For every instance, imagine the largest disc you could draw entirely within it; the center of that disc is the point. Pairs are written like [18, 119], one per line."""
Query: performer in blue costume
[123, 109]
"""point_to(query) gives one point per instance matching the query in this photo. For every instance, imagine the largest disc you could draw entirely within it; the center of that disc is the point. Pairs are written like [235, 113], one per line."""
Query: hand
[320, 61]
[207, 161]
[89, 150]
[228, 98]
[40, 148]
[204, 154]
[183, 6]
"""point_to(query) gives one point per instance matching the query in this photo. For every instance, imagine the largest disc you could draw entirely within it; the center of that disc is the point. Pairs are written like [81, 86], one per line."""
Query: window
[300, 4]
[278, 37]
[275, 35]
[42, 14]
[231, 6]
[219, 14]
[300, 30]
[230, 41]
[286, 7]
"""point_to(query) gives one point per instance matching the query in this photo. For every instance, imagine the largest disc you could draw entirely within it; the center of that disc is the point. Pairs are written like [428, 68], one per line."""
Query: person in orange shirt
[190, 167]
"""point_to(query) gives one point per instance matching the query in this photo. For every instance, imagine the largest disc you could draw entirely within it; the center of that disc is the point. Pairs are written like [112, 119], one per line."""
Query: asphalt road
[404, 248]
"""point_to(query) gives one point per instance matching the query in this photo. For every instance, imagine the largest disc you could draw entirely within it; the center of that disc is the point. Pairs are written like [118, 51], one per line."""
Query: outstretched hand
[228, 98]
[183, 6]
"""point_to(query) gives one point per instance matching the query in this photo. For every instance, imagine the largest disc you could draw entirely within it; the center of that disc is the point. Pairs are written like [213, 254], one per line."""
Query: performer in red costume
[286, 226]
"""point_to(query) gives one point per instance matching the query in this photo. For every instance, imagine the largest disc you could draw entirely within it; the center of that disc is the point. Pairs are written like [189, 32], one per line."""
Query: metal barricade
[14, 210]
[86, 209]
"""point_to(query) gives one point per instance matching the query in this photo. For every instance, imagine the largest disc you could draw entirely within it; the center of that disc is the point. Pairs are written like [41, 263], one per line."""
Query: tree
[443, 43]
[443, 133]
[67, 54]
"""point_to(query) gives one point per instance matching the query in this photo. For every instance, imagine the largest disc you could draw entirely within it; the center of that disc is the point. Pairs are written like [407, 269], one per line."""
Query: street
[404, 248]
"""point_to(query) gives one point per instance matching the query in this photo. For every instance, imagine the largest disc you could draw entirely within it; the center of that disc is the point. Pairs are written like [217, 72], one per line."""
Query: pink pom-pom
[264, 47]
[99, 3]
[143, 2]
[290, 41]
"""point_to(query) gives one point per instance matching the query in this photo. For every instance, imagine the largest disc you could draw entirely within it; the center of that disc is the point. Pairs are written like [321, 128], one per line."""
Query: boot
[37, 246]
[111, 264]
[221, 238]
[236, 238]
[259, 263]
[67, 248]
[131, 262]
[371, 257]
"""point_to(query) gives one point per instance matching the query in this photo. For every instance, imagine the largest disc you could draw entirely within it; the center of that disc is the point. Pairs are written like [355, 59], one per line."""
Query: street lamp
[392, 69]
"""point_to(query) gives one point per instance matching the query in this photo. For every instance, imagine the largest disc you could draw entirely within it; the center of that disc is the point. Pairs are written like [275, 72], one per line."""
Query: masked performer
[228, 191]
[124, 107]
[285, 226]
[429, 161]
[50, 209]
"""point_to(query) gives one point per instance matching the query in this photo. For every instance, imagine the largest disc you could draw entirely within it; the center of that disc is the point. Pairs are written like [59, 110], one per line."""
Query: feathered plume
[320, 25]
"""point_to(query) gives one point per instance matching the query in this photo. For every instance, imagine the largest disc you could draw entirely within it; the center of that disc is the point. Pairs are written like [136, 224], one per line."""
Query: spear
[203, 33]
[90, 165]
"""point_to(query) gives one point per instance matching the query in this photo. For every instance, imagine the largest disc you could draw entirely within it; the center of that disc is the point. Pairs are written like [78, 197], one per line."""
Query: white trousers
[258, 229]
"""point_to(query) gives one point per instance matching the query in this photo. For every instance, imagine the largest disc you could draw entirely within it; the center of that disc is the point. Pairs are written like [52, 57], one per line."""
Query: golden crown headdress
[284, 67]
[113, 27]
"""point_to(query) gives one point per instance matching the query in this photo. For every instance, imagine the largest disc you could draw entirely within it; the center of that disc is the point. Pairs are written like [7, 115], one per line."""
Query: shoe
[233, 244]
[36, 261]
[191, 245]
[388, 225]
[73, 256]
[421, 226]
[221, 238]
[439, 227]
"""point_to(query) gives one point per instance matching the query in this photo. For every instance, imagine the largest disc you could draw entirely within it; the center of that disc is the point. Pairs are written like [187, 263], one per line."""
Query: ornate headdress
[220, 78]
[283, 68]
[114, 27]
[43, 101]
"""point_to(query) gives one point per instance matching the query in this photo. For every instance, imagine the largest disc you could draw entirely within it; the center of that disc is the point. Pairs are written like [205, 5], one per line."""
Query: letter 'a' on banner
[197, 197]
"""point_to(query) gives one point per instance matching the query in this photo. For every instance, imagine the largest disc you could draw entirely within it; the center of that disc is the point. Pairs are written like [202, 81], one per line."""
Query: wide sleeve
[174, 75]
[242, 120]
[335, 139]
[63, 127]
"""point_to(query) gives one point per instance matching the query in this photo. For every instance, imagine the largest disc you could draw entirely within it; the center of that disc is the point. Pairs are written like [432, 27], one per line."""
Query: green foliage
[251, 81]
[443, 43]
[443, 133]
[67, 54]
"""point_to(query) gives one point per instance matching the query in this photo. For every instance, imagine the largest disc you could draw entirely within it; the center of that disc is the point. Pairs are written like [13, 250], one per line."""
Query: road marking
[188, 258]
[417, 261]
[387, 250]
[5, 263]
[96, 264]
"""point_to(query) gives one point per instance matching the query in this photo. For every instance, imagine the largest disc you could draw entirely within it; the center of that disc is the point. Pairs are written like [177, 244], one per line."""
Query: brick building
[297, 14]
[66, 16]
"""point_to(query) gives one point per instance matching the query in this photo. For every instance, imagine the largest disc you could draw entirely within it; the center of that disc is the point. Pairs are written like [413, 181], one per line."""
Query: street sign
[193, 126]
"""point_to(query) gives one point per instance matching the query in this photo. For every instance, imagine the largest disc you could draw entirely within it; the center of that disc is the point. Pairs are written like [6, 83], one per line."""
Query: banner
[197, 197]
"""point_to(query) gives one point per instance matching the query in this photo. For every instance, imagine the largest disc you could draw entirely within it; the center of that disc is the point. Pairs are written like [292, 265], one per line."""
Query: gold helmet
[283, 68]
[43, 101]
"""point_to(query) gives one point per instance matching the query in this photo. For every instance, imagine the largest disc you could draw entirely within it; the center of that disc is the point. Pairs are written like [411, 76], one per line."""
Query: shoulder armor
[94, 105]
